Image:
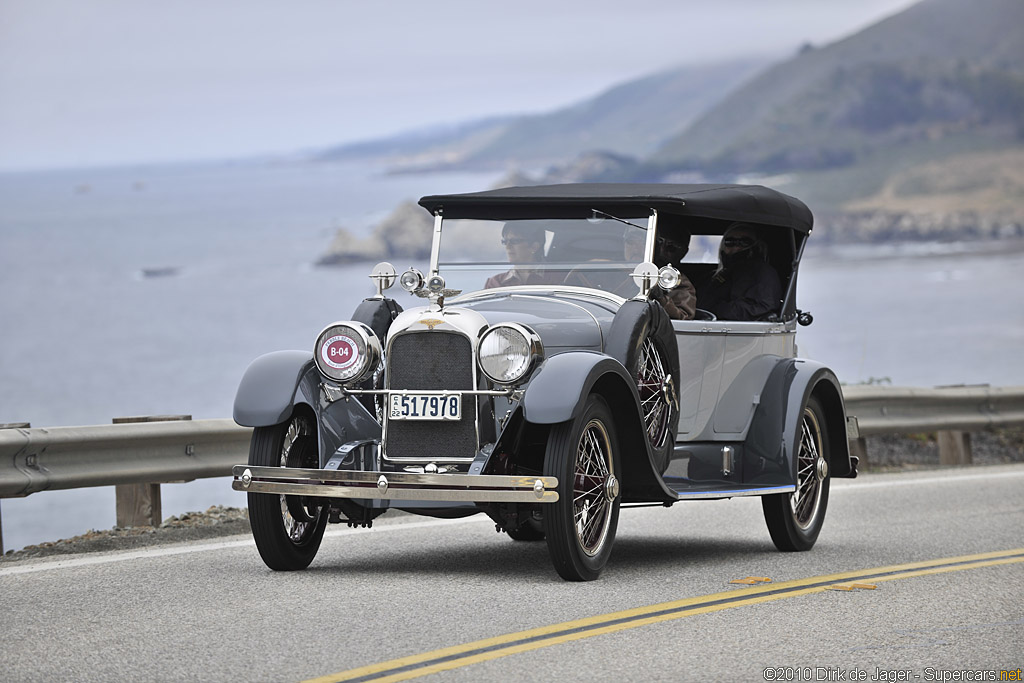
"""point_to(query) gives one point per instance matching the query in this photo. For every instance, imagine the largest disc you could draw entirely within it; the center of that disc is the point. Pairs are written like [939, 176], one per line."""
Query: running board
[688, 491]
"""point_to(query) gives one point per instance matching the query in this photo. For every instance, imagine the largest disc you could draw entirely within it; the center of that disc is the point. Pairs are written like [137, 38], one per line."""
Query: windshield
[598, 253]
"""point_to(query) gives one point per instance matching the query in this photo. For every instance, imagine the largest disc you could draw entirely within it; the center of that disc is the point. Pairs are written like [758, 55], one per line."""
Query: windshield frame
[648, 252]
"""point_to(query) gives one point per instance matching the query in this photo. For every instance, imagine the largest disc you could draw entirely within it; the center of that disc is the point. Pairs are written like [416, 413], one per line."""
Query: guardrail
[138, 456]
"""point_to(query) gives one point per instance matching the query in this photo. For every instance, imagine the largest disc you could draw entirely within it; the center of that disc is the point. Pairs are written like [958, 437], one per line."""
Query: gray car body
[741, 391]
[740, 387]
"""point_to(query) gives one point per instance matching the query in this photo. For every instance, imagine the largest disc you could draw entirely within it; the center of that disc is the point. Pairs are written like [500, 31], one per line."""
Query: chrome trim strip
[395, 485]
[431, 392]
[740, 493]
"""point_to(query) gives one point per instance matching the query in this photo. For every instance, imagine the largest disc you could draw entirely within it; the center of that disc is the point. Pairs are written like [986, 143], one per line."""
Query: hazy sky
[86, 82]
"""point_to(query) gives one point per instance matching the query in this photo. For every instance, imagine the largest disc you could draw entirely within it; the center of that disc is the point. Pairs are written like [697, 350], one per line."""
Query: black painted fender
[770, 446]
[557, 393]
[266, 393]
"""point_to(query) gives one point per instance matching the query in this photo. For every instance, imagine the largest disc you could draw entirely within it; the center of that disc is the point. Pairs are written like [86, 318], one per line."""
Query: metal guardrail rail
[905, 410]
[55, 458]
[146, 454]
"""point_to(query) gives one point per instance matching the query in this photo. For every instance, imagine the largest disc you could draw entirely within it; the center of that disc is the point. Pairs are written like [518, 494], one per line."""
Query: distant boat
[164, 271]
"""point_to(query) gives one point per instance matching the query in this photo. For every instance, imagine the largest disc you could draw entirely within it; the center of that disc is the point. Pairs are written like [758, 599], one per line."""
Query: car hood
[563, 322]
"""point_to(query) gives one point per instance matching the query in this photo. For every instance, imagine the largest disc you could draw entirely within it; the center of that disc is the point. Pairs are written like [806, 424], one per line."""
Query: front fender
[266, 393]
[558, 393]
[562, 383]
[770, 447]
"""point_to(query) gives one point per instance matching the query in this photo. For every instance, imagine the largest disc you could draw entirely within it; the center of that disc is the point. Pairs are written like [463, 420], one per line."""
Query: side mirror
[645, 276]
[804, 318]
[383, 276]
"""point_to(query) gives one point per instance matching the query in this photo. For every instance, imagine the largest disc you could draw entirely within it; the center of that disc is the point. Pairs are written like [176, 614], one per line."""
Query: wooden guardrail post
[139, 504]
[954, 447]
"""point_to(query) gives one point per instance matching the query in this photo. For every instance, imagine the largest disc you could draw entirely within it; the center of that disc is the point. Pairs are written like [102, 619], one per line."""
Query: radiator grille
[432, 360]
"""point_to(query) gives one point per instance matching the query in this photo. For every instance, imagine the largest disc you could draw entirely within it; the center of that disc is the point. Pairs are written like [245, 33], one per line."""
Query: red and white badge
[339, 352]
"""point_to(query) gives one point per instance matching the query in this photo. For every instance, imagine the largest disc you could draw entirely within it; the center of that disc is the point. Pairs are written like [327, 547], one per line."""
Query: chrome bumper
[478, 488]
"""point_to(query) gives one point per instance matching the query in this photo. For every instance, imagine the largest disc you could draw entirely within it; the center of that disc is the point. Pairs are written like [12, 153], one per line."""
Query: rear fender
[770, 446]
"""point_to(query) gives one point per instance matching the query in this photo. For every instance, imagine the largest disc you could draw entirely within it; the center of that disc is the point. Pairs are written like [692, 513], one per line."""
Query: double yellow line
[414, 666]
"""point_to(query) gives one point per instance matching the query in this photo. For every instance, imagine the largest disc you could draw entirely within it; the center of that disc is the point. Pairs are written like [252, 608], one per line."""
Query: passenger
[744, 286]
[524, 245]
[669, 250]
[681, 302]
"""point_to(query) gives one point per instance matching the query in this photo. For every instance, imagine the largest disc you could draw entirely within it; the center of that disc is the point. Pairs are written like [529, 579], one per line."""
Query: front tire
[794, 519]
[287, 529]
[580, 527]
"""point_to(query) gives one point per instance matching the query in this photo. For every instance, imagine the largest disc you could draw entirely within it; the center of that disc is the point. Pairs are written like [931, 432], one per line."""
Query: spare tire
[642, 339]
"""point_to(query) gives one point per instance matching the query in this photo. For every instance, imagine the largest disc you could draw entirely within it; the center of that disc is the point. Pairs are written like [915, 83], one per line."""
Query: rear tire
[580, 527]
[794, 519]
[287, 529]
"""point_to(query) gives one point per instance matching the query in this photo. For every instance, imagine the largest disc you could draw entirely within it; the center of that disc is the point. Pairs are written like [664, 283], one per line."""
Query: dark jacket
[750, 290]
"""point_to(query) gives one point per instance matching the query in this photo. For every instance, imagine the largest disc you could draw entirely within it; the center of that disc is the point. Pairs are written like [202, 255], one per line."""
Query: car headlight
[508, 352]
[347, 351]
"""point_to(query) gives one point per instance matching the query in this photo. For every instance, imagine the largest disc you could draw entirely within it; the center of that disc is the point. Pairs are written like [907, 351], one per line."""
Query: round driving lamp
[508, 352]
[668, 278]
[346, 352]
[411, 280]
[435, 284]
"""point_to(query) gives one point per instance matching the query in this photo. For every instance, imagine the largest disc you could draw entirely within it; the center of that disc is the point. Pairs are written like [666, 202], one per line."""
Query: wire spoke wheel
[580, 526]
[794, 519]
[657, 395]
[805, 501]
[591, 507]
[287, 529]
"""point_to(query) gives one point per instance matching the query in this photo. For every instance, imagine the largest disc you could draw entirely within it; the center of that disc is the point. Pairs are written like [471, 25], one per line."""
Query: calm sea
[138, 291]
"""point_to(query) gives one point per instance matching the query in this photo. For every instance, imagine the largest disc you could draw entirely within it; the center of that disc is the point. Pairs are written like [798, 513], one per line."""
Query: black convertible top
[748, 203]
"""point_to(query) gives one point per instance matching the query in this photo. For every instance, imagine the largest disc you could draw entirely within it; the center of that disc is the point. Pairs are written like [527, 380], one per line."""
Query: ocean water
[229, 252]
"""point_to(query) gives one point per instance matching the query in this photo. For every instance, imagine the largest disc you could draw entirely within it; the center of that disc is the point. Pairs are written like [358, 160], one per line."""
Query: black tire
[659, 403]
[530, 530]
[580, 527]
[794, 519]
[643, 340]
[287, 529]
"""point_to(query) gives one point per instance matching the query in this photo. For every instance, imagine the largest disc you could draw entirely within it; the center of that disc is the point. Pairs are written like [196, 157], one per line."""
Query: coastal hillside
[912, 128]
[632, 119]
[850, 122]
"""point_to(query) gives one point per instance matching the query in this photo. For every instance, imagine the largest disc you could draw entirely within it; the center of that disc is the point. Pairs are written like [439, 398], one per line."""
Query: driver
[524, 244]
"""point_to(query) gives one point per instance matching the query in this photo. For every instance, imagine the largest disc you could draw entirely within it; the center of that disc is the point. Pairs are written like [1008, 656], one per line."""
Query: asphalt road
[411, 586]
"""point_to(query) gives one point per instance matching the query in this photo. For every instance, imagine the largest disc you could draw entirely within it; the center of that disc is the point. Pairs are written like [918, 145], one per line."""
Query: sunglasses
[669, 244]
[738, 241]
[513, 241]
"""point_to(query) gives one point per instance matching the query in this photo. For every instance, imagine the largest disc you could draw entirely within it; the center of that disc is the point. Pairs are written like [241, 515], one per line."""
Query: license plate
[425, 407]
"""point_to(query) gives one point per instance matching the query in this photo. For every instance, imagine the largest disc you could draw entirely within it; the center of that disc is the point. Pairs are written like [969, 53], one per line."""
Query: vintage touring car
[543, 383]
